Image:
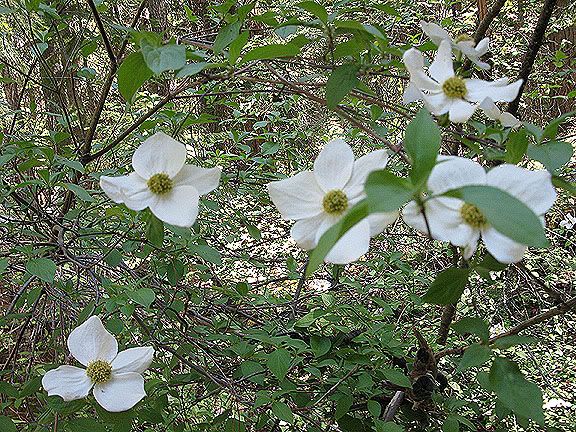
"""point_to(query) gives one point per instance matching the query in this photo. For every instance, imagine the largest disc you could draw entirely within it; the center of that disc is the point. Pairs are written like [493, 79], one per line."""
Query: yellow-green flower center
[335, 202]
[472, 216]
[99, 371]
[454, 87]
[464, 38]
[160, 184]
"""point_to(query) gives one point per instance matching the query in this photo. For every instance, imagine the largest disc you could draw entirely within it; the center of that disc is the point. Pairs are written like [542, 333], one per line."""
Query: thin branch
[103, 33]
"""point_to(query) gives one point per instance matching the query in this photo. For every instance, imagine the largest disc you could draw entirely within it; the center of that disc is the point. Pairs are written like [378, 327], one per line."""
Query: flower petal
[352, 245]
[133, 360]
[297, 197]
[472, 245]
[178, 207]
[131, 190]
[501, 247]
[121, 393]
[91, 341]
[159, 154]
[379, 221]
[533, 188]
[411, 94]
[203, 179]
[490, 109]
[442, 67]
[453, 172]
[508, 120]
[414, 62]
[436, 33]
[461, 110]
[68, 382]
[497, 90]
[304, 231]
[445, 222]
[372, 161]
[333, 166]
[437, 103]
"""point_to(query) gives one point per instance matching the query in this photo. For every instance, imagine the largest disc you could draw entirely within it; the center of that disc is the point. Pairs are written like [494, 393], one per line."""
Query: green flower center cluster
[335, 202]
[99, 371]
[454, 87]
[464, 38]
[472, 216]
[160, 184]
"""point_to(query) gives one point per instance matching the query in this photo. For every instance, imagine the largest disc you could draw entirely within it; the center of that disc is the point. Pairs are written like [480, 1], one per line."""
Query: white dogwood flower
[493, 112]
[163, 182]
[444, 92]
[463, 43]
[319, 198]
[461, 223]
[115, 376]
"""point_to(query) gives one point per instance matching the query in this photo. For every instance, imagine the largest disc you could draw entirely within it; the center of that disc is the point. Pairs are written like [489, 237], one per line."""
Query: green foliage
[422, 143]
[448, 286]
[341, 82]
[133, 72]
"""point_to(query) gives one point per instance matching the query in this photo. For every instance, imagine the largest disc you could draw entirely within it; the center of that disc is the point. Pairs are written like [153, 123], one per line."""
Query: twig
[393, 406]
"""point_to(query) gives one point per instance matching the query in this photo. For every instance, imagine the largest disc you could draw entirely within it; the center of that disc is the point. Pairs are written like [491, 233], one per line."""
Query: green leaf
[516, 146]
[343, 406]
[154, 230]
[472, 325]
[385, 192]
[85, 424]
[505, 213]
[7, 425]
[512, 340]
[192, 69]
[272, 51]
[561, 183]
[3, 265]
[374, 408]
[226, 35]
[43, 268]
[207, 252]
[283, 412]
[451, 424]
[143, 296]
[396, 376]
[552, 155]
[163, 58]
[514, 391]
[475, 355]
[132, 73]
[320, 345]
[279, 362]
[422, 143]
[341, 81]
[448, 286]
[237, 45]
[80, 192]
[315, 9]
[331, 236]
[388, 426]
[551, 130]
[234, 425]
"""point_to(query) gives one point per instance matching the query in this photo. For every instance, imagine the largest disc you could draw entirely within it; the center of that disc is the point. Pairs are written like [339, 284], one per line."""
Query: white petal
[436, 33]
[475, 52]
[159, 154]
[461, 111]
[379, 221]
[297, 197]
[178, 207]
[133, 360]
[68, 382]
[372, 161]
[414, 62]
[453, 172]
[437, 103]
[490, 109]
[333, 166]
[442, 68]
[91, 341]
[131, 190]
[533, 188]
[352, 245]
[501, 247]
[204, 180]
[483, 47]
[121, 393]
[498, 91]
[508, 120]
[411, 94]
[305, 231]
[472, 245]
[445, 222]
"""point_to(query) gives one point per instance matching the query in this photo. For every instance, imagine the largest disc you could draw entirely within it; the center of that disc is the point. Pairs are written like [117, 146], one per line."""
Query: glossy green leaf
[226, 35]
[143, 296]
[154, 230]
[448, 286]
[272, 51]
[315, 9]
[473, 325]
[475, 355]
[516, 146]
[133, 72]
[320, 345]
[422, 143]
[552, 155]
[385, 192]
[396, 376]
[342, 81]
[43, 268]
[283, 412]
[164, 58]
[279, 362]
